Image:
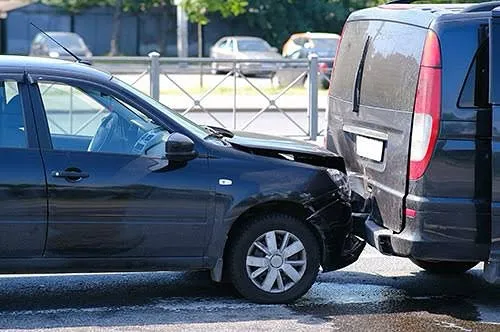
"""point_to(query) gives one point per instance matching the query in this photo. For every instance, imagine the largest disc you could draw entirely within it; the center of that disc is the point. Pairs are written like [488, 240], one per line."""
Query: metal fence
[285, 73]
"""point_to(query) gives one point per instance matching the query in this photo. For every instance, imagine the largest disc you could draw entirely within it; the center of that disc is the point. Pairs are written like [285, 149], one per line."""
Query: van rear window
[391, 65]
[476, 87]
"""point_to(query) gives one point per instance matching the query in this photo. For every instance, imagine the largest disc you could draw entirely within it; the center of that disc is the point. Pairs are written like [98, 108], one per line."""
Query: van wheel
[273, 259]
[444, 267]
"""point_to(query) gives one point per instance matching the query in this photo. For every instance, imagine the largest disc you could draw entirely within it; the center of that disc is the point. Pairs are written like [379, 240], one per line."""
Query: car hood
[268, 142]
[273, 146]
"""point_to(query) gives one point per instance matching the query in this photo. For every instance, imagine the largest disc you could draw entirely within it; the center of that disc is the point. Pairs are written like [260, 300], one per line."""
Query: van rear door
[371, 103]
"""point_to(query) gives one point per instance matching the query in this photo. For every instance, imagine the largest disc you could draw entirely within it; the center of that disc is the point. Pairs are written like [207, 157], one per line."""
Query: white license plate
[369, 148]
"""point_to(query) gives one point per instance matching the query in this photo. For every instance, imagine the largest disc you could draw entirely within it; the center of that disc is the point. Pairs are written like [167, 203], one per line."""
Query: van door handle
[70, 175]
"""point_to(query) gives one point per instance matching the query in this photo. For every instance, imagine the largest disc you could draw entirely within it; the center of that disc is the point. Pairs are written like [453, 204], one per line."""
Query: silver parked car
[43, 46]
[240, 47]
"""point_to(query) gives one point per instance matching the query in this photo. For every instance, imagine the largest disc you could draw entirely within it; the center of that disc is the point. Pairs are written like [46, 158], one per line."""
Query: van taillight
[427, 109]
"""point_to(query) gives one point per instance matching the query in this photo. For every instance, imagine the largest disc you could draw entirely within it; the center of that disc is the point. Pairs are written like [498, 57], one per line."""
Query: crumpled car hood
[286, 148]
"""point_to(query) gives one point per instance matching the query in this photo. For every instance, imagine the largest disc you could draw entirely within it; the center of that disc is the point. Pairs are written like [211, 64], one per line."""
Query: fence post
[313, 96]
[154, 75]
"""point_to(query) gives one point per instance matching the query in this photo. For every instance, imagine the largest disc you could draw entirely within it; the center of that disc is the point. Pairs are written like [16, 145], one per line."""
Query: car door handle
[70, 175]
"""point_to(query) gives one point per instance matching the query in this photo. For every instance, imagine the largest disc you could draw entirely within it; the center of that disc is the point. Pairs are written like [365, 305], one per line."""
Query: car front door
[106, 197]
[23, 198]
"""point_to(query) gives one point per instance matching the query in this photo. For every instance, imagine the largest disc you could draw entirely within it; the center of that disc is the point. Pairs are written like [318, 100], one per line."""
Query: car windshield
[325, 47]
[68, 40]
[253, 45]
[199, 131]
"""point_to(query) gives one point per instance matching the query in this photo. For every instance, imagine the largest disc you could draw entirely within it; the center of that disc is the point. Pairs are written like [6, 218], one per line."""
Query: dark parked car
[412, 117]
[43, 46]
[96, 176]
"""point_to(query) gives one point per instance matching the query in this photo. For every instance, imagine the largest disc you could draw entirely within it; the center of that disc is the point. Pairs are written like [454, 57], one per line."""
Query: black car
[412, 109]
[96, 176]
[42, 45]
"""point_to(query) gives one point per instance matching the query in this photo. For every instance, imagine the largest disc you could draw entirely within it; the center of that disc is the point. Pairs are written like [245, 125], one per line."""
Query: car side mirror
[179, 147]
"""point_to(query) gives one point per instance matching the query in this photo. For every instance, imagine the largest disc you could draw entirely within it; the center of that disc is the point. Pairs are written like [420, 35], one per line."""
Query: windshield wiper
[219, 132]
[359, 78]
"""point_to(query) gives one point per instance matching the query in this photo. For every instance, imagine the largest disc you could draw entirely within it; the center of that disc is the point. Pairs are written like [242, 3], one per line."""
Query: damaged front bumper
[334, 223]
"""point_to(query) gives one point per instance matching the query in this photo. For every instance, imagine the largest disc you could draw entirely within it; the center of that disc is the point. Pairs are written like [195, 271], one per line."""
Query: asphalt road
[377, 293]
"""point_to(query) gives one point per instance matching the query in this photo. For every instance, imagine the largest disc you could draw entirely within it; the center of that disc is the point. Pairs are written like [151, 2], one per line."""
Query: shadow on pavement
[138, 299]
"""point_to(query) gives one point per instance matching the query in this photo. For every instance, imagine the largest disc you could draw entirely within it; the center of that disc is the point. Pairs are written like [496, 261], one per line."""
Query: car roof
[50, 66]
[317, 35]
[58, 33]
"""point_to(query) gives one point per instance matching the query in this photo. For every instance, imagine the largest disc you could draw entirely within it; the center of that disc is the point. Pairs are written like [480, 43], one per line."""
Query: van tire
[325, 84]
[444, 267]
[243, 244]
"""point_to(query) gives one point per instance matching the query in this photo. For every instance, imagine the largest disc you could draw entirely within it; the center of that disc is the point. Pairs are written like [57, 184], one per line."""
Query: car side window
[89, 120]
[222, 44]
[298, 54]
[12, 126]
[475, 92]
[300, 41]
[230, 46]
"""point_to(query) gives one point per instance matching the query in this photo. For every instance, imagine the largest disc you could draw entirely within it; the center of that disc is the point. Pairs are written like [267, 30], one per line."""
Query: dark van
[410, 110]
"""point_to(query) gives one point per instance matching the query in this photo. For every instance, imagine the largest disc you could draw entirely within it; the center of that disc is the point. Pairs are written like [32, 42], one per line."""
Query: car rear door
[371, 102]
[23, 197]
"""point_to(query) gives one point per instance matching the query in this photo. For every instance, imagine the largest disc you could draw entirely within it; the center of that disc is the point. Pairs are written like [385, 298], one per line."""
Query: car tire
[306, 82]
[267, 277]
[214, 69]
[275, 81]
[444, 267]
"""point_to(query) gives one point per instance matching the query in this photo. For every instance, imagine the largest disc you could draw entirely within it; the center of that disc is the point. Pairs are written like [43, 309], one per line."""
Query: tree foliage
[75, 6]
[280, 18]
[197, 10]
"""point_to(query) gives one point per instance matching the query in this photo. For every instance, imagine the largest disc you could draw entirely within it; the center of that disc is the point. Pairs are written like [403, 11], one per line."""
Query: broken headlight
[342, 182]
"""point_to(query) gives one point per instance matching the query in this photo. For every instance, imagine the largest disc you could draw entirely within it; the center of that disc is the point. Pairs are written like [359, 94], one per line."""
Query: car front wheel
[274, 259]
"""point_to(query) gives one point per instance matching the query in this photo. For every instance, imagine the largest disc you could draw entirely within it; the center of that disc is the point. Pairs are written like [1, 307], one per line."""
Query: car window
[12, 127]
[298, 54]
[230, 46]
[88, 120]
[300, 41]
[476, 87]
[222, 44]
[38, 38]
[253, 45]
[391, 67]
[325, 47]
[69, 40]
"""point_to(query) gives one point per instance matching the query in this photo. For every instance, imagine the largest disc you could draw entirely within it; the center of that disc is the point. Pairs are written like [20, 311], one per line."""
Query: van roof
[419, 14]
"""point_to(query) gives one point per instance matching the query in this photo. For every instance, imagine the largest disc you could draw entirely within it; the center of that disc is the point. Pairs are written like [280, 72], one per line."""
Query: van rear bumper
[411, 243]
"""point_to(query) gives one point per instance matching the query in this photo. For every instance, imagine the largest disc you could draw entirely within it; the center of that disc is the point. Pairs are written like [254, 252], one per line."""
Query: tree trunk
[114, 48]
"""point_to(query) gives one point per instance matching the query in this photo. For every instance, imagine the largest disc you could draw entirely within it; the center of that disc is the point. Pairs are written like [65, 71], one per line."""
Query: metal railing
[168, 69]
